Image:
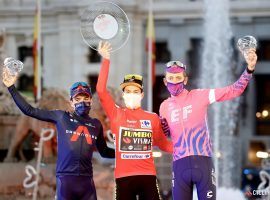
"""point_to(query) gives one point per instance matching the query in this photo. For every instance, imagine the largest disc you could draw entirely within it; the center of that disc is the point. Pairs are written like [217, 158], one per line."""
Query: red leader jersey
[135, 131]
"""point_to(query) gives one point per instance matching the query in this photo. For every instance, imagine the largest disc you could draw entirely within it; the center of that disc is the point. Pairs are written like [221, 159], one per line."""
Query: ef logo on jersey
[187, 110]
[175, 114]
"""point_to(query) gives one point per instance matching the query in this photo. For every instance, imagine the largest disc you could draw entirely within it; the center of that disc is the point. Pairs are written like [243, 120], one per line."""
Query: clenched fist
[251, 59]
[8, 79]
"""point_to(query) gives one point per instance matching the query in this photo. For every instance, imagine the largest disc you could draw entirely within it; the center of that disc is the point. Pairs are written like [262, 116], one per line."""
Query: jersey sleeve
[27, 109]
[162, 111]
[106, 99]
[164, 120]
[201, 95]
[231, 91]
[210, 96]
[159, 138]
[102, 147]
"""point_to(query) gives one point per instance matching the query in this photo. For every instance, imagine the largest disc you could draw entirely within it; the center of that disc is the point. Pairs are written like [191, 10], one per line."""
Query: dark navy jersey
[77, 136]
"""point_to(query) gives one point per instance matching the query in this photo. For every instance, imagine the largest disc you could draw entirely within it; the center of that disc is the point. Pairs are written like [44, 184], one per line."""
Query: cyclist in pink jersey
[184, 117]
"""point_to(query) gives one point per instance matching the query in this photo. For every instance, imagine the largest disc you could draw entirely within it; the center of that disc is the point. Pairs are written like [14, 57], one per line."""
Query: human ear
[165, 81]
[72, 104]
[186, 80]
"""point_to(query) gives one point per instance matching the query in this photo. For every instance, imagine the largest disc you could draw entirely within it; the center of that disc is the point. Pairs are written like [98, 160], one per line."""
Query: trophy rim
[128, 27]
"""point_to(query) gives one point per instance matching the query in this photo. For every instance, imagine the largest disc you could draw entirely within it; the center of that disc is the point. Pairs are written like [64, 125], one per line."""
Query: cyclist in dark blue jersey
[77, 136]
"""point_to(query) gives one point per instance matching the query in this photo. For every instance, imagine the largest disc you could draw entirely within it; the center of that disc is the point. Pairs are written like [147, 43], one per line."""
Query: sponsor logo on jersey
[135, 156]
[173, 179]
[73, 120]
[209, 194]
[81, 131]
[135, 140]
[131, 121]
[145, 124]
[213, 174]
[176, 113]
[186, 111]
[90, 125]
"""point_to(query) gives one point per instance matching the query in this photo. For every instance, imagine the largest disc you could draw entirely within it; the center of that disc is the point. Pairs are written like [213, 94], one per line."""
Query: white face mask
[132, 100]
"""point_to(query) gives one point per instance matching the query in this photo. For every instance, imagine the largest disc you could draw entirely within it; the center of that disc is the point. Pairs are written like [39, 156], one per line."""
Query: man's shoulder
[59, 112]
[199, 91]
[151, 115]
[167, 100]
[95, 120]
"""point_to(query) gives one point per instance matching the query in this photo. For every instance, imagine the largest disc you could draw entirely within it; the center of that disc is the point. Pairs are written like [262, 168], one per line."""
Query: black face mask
[83, 108]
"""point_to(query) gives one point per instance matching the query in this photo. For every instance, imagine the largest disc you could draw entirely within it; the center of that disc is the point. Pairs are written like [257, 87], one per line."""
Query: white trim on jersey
[212, 97]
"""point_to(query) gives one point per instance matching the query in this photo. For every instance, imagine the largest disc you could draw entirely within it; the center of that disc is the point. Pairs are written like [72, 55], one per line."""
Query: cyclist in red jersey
[136, 131]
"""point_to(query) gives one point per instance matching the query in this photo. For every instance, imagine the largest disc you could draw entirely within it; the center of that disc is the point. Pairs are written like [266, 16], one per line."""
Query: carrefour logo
[135, 156]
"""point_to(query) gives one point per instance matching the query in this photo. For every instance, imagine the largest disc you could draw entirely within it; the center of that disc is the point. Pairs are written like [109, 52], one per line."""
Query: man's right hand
[104, 49]
[8, 79]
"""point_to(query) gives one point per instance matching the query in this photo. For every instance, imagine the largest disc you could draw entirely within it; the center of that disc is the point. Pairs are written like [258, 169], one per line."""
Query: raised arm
[106, 99]
[102, 147]
[236, 89]
[26, 108]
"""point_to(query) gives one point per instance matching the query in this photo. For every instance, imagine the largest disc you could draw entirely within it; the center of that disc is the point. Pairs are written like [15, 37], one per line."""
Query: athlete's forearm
[234, 90]
[106, 99]
[107, 152]
[103, 149]
[162, 141]
[27, 109]
[165, 126]
[103, 77]
[165, 145]
[159, 138]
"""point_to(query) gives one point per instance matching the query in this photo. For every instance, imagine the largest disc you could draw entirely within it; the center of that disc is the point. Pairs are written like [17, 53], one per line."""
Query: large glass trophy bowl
[104, 21]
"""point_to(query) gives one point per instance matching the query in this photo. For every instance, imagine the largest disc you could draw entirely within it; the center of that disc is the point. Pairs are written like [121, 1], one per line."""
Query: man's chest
[134, 134]
[179, 111]
[74, 130]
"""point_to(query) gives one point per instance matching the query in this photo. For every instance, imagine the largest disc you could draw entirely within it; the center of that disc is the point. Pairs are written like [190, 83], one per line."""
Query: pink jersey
[186, 115]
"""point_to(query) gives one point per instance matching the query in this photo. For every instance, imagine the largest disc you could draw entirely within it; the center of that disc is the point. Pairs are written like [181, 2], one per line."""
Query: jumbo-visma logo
[81, 131]
[135, 140]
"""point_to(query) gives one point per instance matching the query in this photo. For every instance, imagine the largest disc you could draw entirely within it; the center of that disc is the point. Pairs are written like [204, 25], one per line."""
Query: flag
[150, 40]
[36, 53]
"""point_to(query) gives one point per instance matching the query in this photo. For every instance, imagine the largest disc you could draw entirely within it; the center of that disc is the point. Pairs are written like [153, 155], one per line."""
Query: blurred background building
[178, 30]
